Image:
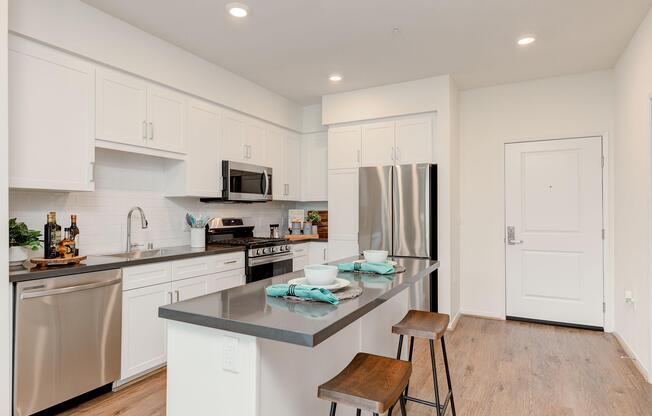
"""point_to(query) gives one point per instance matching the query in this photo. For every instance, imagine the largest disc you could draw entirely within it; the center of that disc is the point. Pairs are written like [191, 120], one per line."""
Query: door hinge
[604, 307]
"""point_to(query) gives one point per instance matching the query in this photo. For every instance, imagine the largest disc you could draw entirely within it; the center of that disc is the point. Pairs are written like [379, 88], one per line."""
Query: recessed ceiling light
[237, 9]
[335, 77]
[526, 40]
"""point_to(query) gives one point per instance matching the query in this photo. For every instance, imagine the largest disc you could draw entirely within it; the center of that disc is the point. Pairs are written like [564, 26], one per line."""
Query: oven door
[261, 268]
[244, 182]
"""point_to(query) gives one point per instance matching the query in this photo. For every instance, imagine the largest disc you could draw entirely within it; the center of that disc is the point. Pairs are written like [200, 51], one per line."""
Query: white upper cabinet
[254, 140]
[314, 167]
[414, 140]
[344, 147]
[136, 115]
[121, 108]
[233, 147]
[292, 154]
[167, 114]
[275, 140]
[199, 175]
[378, 144]
[51, 120]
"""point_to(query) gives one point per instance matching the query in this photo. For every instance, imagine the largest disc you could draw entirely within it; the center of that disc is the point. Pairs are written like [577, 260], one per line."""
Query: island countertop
[248, 310]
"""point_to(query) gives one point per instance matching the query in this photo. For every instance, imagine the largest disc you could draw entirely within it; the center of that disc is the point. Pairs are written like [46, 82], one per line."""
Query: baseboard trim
[121, 384]
[632, 355]
[453, 323]
[484, 315]
[555, 323]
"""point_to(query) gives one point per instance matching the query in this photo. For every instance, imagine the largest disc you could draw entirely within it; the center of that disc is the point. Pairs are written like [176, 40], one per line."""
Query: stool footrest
[442, 407]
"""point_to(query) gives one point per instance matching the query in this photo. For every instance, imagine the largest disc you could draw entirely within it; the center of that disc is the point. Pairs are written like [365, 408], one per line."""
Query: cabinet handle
[244, 151]
[92, 172]
[398, 153]
[358, 156]
[176, 292]
[171, 298]
[324, 253]
[391, 153]
[151, 130]
[231, 262]
[144, 130]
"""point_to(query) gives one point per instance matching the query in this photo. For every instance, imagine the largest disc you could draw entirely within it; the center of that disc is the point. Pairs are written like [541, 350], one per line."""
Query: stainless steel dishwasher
[67, 338]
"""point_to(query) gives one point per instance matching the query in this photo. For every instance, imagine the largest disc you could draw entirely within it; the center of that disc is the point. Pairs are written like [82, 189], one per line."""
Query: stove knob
[257, 251]
[265, 251]
[287, 248]
[274, 249]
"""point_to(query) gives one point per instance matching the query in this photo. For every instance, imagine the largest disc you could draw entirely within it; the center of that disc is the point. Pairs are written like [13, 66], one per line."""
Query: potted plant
[21, 239]
[313, 218]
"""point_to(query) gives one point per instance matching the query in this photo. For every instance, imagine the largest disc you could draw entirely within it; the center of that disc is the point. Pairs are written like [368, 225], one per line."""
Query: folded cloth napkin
[378, 268]
[300, 291]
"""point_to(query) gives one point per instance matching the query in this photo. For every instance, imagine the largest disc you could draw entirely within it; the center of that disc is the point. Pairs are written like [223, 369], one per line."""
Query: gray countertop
[104, 262]
[248, 310]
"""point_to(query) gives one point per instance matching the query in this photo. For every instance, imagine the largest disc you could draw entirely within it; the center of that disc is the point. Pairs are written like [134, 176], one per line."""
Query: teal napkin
[300, 291]
[378, 268]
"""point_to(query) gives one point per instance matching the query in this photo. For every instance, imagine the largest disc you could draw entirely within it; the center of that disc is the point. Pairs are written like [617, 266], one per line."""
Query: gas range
[265, 257]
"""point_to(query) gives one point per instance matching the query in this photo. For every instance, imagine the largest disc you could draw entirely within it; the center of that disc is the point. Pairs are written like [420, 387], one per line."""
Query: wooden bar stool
[431, 326]
[370, 382]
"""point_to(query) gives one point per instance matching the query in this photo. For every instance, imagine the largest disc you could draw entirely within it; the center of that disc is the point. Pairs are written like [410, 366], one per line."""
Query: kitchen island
[240, 352]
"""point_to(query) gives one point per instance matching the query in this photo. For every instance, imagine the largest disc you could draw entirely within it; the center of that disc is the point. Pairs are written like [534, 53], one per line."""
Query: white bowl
[375, 256]
[320, 274]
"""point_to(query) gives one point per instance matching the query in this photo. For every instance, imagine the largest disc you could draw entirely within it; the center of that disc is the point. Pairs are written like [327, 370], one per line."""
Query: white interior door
[554, 259]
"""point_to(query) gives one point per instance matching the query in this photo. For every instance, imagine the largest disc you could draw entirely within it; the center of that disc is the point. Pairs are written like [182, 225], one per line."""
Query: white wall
[633, 76]
[125, 180]
[552, 108]
[77, 27]
[436, 94]
[311, 119]
[5, 303]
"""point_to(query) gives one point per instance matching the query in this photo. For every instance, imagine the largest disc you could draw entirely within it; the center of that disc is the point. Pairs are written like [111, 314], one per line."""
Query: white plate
[390, 262]
[339, 283]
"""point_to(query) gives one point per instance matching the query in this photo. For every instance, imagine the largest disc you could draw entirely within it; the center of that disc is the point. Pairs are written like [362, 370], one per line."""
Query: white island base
[213, 372]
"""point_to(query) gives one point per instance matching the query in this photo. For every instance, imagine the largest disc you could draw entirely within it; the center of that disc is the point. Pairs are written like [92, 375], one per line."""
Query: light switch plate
[230, 354]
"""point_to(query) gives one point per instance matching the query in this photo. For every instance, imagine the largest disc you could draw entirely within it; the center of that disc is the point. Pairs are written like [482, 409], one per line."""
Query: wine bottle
[52, 233]
[74, 232]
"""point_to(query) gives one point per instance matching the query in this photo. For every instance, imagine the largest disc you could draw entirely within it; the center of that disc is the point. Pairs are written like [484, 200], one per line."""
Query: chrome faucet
[144, 224]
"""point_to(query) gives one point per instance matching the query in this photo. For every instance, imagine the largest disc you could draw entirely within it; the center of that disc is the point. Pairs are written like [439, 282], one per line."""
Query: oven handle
[270, 259]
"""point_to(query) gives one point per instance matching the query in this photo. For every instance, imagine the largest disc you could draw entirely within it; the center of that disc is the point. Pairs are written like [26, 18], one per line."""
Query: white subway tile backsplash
[126, 180]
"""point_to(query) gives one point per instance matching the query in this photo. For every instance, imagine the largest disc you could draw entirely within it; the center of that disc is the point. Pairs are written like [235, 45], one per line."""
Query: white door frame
[608, 282]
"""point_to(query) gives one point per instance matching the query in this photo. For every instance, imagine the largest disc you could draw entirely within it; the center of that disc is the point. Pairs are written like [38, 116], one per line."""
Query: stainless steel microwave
[246, 183]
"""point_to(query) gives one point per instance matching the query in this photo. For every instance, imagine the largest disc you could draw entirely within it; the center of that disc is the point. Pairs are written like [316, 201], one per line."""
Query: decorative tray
[59, 261]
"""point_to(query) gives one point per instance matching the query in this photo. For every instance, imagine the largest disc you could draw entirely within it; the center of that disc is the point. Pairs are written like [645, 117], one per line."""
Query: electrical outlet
[629, 296]
[230, 354]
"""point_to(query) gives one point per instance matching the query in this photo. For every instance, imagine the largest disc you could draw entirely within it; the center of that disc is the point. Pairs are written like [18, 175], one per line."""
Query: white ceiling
[290, 46]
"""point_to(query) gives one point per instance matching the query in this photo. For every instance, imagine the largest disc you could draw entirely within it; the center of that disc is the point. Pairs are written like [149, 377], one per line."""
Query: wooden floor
[498, 368]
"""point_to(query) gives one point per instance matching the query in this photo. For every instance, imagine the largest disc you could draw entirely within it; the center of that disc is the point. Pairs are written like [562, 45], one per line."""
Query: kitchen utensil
[274, 231]
[375, 256]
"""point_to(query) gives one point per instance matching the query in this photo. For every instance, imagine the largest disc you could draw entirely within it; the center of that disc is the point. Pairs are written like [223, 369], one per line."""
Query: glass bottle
[74, 232]
[52, 234]
[67, 245]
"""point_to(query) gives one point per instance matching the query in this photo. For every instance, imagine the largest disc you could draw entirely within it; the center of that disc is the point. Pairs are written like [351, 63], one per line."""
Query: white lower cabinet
[150, 286]
[298, 263]
[143, 332]
[318, 252]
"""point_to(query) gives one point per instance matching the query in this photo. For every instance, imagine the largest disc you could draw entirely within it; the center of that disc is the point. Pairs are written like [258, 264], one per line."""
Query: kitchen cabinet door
[276, 142]
[167, 115]
[51, 119]
[292, 165]
[189, 288]
[298, 263]
[318, 252]
[344, 147]
[378, 144]
[225, 280]
[342, 213]
[314, 167]
[254, 139]
[200, 175]
[144, 334]
[414, 140]
[233, 146]
[120, 108]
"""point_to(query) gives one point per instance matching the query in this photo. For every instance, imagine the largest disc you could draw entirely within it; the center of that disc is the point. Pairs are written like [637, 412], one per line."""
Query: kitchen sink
[138, 254]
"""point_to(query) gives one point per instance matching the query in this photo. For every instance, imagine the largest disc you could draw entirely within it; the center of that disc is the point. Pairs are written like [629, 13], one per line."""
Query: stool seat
[421, 324]
[370, 382]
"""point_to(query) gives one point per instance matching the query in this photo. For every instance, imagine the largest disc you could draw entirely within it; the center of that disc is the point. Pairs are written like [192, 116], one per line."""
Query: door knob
[511, 236]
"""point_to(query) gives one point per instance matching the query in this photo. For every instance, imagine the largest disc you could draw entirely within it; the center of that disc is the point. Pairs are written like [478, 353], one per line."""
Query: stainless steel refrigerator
[398, 212]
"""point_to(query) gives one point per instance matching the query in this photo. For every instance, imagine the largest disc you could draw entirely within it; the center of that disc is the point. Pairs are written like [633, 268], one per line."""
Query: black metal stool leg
[448, 375]
[333, 408]
[358, 412]
[403, 412]
[400, 347]
[407, 388]
[434, 376]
